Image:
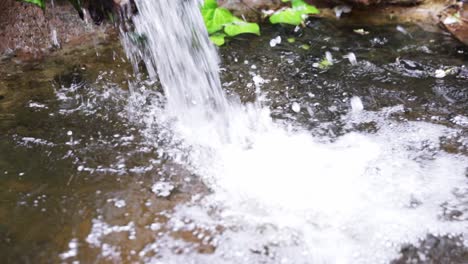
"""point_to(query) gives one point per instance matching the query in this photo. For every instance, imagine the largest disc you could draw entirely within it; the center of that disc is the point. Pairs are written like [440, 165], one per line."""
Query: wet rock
[455, 20]
[28, 32]
[434, 250]
[250, 9]
[363, 3]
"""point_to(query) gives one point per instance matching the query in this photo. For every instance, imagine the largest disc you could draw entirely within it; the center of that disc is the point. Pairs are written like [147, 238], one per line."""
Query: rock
[28, 32]
[455, 20]
[250, 9]
[383, 2]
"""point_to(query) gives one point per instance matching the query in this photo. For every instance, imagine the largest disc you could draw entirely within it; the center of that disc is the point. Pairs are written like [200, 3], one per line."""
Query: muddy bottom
[80, 181]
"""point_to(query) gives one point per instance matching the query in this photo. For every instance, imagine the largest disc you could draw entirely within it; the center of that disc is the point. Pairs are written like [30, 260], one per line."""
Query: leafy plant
[218, 38]
[294, 15]
[221, 23]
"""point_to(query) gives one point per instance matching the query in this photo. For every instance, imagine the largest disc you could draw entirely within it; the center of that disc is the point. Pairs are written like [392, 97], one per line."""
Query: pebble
[275, 41]
[296, 107]
[440, 73]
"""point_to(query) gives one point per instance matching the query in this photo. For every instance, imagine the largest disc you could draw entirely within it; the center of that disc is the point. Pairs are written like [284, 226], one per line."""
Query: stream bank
[28, 33]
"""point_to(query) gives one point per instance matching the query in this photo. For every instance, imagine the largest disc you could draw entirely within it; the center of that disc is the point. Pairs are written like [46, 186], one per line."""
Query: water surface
[81, 179]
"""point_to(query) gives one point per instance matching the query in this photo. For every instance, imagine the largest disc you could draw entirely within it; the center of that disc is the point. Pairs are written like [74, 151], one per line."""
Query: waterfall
[284, 195]
[178, 52]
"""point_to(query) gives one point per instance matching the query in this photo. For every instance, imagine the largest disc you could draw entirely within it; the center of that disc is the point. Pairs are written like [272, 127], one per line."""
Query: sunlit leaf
[219, 19]
[237, 28]
[294, 15]
[301, 5]
[287, 16]
[215, 19]
[210, 4]
[218, 39]
[309, 10]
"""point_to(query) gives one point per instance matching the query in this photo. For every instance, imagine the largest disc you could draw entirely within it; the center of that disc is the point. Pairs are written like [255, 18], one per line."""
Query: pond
[370, 163]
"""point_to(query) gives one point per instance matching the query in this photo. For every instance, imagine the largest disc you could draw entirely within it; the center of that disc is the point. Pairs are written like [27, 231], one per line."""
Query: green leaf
[287, 16]
[304, 8]
[305, 46]
[215, 19]
[210, 4]
[309, 10]
[291, 40]
[300, 4]
[237, 28]
[218, 39]
[294, 15]
[325, 64]
[39, 3]
[296, 3]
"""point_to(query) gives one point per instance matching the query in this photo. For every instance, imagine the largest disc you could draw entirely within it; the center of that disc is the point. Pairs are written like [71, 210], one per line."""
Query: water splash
[281, 194]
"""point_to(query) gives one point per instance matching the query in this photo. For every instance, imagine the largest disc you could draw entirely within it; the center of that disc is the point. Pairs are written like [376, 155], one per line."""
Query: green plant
[294, 15]
[221, 23]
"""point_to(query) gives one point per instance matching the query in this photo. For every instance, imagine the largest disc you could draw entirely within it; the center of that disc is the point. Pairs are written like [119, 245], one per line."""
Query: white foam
[281, 194]
[357, 199]
[356, 104]
[72, 250]
[162, 189]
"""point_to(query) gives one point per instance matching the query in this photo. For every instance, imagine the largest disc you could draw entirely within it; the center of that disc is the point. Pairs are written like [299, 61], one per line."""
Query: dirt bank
[29, 32]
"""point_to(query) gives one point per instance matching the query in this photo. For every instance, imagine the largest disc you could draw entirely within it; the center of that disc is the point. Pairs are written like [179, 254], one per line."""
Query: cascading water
[178, 52]
[281, 194]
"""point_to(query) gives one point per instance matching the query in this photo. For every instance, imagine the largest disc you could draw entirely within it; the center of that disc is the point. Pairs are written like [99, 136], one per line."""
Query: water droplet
[356, 104]
[296, 107]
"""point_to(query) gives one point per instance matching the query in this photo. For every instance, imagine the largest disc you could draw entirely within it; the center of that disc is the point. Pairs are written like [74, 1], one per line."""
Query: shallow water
[83, 180]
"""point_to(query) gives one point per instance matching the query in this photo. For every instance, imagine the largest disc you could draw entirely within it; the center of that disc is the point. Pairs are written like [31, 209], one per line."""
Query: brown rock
[455, 20]
[250, 9]
[28, 31]
[365, 3]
